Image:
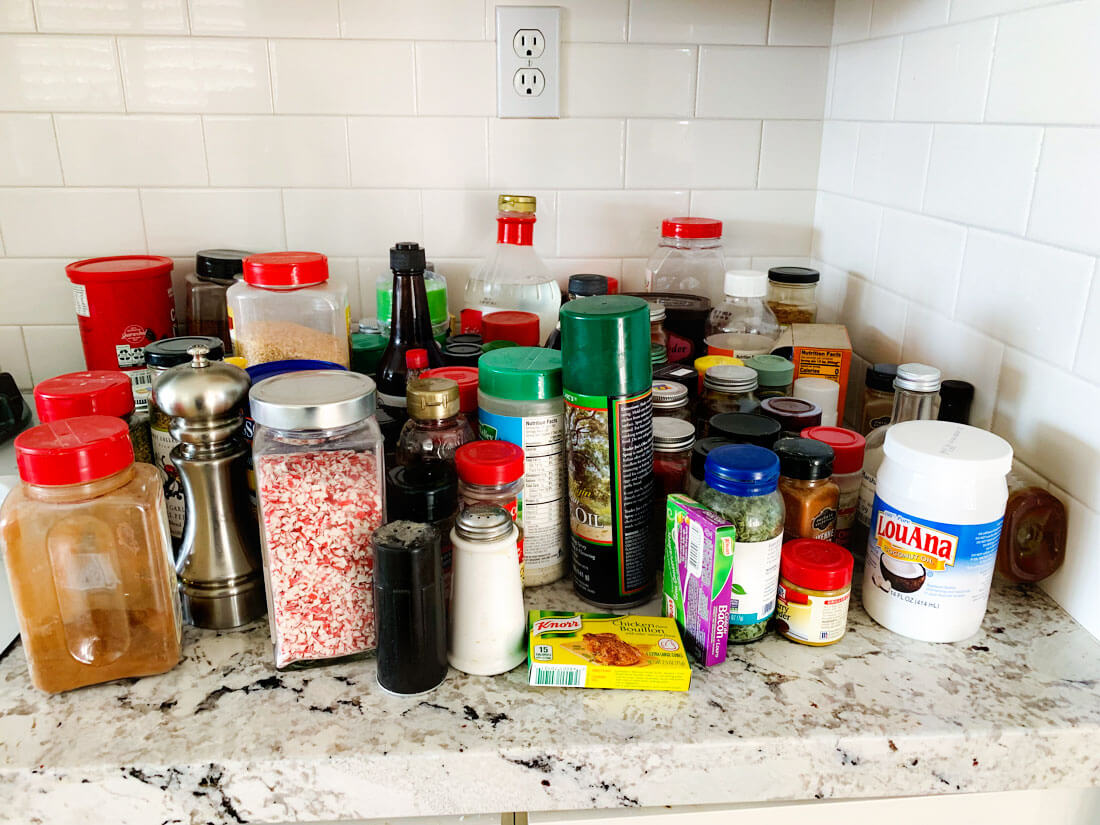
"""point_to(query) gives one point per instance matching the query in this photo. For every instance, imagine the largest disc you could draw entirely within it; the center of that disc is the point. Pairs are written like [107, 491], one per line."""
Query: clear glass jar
[215, 271]
[317, 451]
[88, 557]
[436, 425]
[775, 375]
[726, 389]
[670, 400]
[286, 308]
[688, 258]
[742, 325]
[792, 294]
[658, 339]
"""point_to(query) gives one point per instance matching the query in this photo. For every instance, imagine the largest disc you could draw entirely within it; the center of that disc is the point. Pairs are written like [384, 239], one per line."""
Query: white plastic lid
[746, 283]
[947, 448]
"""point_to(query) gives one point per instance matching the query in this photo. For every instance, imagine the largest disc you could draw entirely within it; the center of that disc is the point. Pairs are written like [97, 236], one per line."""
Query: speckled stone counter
[225, 738]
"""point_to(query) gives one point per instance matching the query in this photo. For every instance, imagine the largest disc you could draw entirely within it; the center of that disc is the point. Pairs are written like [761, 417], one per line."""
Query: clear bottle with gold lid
[436, 425]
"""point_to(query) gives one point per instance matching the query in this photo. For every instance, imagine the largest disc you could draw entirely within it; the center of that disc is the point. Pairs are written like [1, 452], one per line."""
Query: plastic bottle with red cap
[491, 472]
[688, 258]
[521, 328]
[815, 587]
[285, 308]
[848, 447]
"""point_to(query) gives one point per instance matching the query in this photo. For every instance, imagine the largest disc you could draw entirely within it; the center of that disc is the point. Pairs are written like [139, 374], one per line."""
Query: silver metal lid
[672, 434]
[668, 394]
[917, 378]
[312, 400]
[483, 522]
[200, 390]
[731, 378]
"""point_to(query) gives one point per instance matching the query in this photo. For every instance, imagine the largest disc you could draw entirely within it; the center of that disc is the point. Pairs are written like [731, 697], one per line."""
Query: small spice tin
[815, 586]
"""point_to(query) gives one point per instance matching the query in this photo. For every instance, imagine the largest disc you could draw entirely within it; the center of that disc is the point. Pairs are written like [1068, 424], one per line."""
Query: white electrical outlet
[528, 61]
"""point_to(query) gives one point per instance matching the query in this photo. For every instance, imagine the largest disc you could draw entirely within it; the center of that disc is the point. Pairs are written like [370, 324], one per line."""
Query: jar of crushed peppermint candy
[317, 451]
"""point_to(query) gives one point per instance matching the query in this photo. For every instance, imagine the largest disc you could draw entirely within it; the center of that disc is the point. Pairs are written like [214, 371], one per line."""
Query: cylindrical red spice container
[491, 472]
[123, 303]
[466, 378]
[848, 447]
[815, 586]
[522, 328]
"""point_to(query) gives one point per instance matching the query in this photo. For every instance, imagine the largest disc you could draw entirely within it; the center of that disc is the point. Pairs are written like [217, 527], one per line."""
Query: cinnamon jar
[811, 498]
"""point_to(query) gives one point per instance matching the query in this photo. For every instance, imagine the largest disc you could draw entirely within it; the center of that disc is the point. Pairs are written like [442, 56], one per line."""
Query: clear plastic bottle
[688, 258]
[743, 325]
[514, 277]
[436, 425]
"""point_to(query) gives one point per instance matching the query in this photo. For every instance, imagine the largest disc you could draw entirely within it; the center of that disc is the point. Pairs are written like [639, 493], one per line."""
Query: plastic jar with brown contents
[810, 496]
[878, 397]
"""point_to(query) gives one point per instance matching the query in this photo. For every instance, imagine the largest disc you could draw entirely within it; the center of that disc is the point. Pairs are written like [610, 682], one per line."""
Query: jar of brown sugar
[810, 496]
[792, 294]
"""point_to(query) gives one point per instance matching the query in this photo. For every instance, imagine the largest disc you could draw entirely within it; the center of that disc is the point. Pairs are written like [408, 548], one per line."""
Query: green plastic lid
[772, 370]
[521, 373]
[605, 345]
[437, 300]
[489, 346]
[366, 351]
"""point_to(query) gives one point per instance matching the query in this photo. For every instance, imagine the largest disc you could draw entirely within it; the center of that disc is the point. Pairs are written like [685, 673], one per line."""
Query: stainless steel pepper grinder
[219, 565]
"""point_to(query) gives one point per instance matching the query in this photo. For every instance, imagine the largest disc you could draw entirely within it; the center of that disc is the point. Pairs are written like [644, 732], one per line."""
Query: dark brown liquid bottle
[411, 327]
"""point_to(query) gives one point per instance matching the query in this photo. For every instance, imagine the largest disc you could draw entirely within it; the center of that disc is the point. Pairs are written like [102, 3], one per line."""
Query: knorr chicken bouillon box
[602, 650]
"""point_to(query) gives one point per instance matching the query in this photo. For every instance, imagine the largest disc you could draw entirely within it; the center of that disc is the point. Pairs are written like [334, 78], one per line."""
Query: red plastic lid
[92, 392]
[612, 285]
[118, 268]
[276, 269]
[416, 359]
[691, 228]
[522, 328]
[848, 447]
[470, 320]
[816, 565]
[489, 462]
[465, 377]
[73, 451]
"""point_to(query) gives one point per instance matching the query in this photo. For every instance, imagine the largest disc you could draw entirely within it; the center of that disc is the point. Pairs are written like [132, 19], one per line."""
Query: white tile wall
[265, 18]
[131, 150]
[285, 150]
[699, 21]
[700, 154]
[28, 151]
[764, 81]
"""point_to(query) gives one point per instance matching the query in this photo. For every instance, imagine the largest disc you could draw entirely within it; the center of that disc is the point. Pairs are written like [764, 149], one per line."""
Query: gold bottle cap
[516, 203]
[430, 399]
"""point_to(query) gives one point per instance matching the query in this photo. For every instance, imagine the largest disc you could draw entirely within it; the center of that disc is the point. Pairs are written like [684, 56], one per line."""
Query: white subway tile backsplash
[564, 267]
[760, 222]
[413, 152]
[543, 153]
[13, 356]
[970, 9]
[801, 23]
[351, 221]
[638, 80]
[116, 17]
[920, 258]
[1088, 351]
[1025, 294]
[456, 78]
[891, 163]
[195, 75]
[699, 21]
[699, 154]
[983, 175]
[48, 301]
[839, 145]
[79, 223]
[50, 74]
[285, 150]
[615, 224]
[17, 16]
[851, 21]
[53, 350]
[846, 233]
[183, 221]
[762, 82]
[790, 154]
[945, 73]
[897, 16]
[866, 79]
[590, 21]
[265, 18]
[1082, 565]
[28, 151]
[131, 150]
[1045, 66]
[413, 19]
[343, 77]
[875, 319]
[1066, 209]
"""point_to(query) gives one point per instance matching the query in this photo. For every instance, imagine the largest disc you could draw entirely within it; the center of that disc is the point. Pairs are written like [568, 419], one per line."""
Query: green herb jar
[741, 485]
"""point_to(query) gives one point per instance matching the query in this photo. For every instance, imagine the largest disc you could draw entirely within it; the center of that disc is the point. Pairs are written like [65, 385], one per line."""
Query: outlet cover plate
[544, 19]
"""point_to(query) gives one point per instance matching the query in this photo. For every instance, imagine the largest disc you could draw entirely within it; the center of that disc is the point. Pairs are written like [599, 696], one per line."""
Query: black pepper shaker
[408, 604]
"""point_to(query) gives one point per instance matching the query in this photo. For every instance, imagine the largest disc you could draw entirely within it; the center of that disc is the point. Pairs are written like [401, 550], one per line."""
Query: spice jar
[793, 414]
[774, 374]
[705, 362]
[366, 352]
[815, 587]
[792, 294]
[491, 472]
[317, 451]
[688, 258]
[820, 391]
[745, 428]
[673, 439]
[426, 494]
[95, 392]
[682, 374]
[848, 447]
[741, 487]
[878, 397]
[693, 484]
[658, 340]
[726, 389]
[685, 323]
[286, 308]
[88, 558]
[955, 400]
[436, 425]
[215, 271]
[670, 400]
[810, 497]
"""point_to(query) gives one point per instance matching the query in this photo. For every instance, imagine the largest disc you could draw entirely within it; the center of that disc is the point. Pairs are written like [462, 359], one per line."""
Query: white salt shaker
[823, 392]
[488, 623]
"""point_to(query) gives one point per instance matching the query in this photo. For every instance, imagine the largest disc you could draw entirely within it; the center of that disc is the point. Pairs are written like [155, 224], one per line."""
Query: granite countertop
[226, 738]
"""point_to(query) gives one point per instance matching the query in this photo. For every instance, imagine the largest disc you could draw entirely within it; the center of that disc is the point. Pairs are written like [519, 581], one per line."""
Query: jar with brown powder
[810, 497]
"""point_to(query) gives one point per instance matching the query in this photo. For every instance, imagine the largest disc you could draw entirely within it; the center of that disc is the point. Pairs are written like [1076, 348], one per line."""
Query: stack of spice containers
[848, 449]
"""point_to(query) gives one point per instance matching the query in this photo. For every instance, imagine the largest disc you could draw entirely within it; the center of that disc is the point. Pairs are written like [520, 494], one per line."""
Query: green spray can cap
[605, 345]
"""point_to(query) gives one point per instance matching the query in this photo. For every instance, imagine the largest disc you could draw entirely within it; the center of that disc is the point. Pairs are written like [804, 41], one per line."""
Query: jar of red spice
[848, 447]
[673, 439]
[317, 451]
[815, 587]
[491, 472]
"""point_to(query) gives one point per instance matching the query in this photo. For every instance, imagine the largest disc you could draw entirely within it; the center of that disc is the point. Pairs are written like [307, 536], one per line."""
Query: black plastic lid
[700, 452]
[584, 285]
[407, 256]
[466, 338]
[461, 354]
[220, 265]
[745, 428]
[678, 306]
[680, 374]
[422, 492]
[804, 458]
[955, 400]
[881, 377]
[793, 275]
[404, 555]
[170, 352]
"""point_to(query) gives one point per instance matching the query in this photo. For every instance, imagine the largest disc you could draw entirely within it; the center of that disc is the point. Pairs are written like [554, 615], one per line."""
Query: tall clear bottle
[916, 388]
[514, 277]
[411, 328]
